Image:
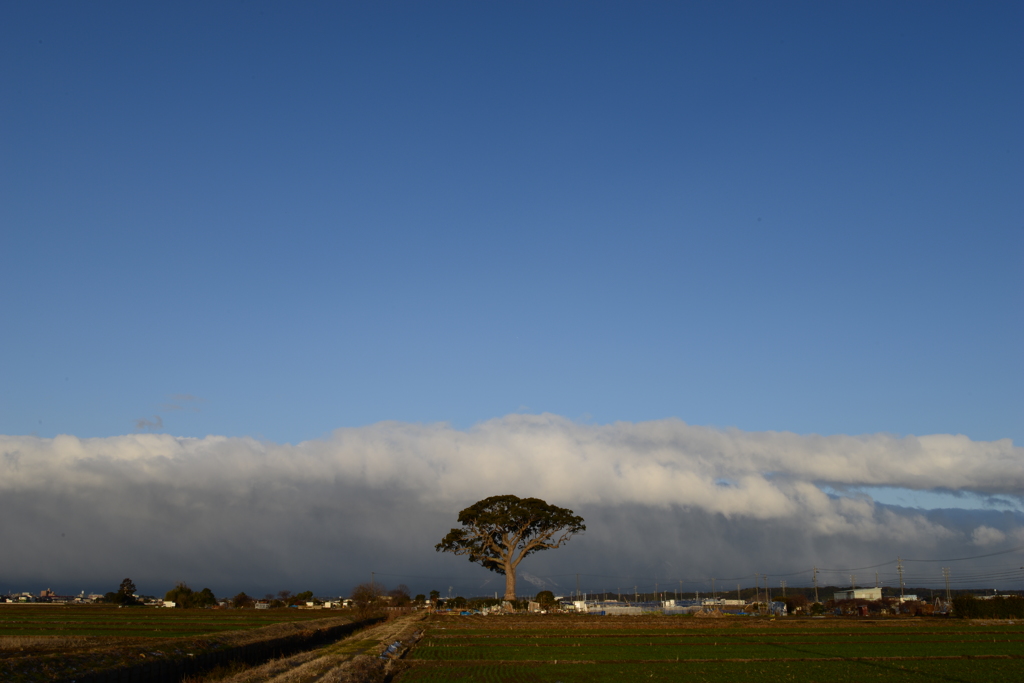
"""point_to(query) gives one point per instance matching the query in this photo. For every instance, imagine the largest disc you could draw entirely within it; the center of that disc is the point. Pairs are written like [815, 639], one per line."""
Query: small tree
[127, 588]
[434, 597]
[499, 532]
[204, 598]
[242, 600]
[400, 595]
[796, 602]
[546, 599]
[125, 594]
[179, 595]
[366, 599]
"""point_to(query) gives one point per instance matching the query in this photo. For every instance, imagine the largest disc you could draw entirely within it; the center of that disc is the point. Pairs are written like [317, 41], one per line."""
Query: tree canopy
[500, 531]
[546, 599]
[127, 587]
[125, 594]
[183, 596]
[242, 600]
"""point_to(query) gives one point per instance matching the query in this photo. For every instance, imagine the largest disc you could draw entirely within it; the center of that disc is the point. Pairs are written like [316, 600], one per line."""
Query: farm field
[49, 643]
[101, 621]
[569, 648]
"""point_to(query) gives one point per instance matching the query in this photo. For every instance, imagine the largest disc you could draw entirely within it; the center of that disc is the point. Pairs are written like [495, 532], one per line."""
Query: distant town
[854, 601]
[47, 596]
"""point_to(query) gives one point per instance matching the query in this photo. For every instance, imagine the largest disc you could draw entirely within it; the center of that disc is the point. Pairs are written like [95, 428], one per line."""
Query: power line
[857, 569]
[974, 557]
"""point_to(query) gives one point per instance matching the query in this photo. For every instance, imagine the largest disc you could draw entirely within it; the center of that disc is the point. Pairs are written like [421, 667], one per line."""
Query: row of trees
[183, 596]
[970, 607]
[368, 598]
[497, 533]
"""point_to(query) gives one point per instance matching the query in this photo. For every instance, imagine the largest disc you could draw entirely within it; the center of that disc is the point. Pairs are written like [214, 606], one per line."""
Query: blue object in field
[392, 648]
[464, 613]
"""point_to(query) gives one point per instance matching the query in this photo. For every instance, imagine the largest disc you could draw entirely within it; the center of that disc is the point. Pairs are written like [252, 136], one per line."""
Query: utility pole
[783, 584]
[945, 575]
[757, 588]
[899, 568]
[853, 582]
[577, 586]
[636, 593]
[816, 585]
[876, 579]
[738, 596]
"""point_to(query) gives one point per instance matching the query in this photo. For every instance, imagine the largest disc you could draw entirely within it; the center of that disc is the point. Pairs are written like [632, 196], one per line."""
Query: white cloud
[391, 489]
[986, 535]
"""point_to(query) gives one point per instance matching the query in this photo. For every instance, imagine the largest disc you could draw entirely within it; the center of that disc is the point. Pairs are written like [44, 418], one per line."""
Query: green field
[568, 648]
[44, 643]
[138, 622]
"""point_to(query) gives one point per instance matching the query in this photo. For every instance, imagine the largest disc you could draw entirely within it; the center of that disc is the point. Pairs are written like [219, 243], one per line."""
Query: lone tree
[125, 594]
[498, 532]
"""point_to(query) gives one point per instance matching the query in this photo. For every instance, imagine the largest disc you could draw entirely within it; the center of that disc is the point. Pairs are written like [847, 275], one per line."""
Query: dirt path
[355, 659]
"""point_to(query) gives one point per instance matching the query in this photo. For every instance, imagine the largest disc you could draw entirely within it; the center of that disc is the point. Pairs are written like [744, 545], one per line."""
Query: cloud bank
[661, 498]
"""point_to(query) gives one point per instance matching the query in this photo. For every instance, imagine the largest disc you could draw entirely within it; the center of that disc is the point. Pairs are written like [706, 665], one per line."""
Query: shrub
[970, 607]
[795, 602]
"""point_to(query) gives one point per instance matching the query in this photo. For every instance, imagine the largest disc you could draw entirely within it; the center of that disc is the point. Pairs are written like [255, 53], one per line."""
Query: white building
[858, 594]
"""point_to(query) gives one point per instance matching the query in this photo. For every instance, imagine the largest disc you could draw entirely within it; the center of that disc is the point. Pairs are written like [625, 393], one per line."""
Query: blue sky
[624, 245]
[798, 217]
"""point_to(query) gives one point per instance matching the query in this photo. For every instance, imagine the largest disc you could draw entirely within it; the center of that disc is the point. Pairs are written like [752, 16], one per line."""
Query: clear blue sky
[280, 219]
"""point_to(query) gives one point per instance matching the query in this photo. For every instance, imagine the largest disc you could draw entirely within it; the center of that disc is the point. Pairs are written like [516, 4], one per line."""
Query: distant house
[858, 594]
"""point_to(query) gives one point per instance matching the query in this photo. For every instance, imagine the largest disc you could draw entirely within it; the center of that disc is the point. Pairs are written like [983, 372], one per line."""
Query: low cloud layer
[662, 499]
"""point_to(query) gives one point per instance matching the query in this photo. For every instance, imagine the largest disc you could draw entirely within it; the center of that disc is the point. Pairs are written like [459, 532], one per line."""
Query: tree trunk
[510, 584]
